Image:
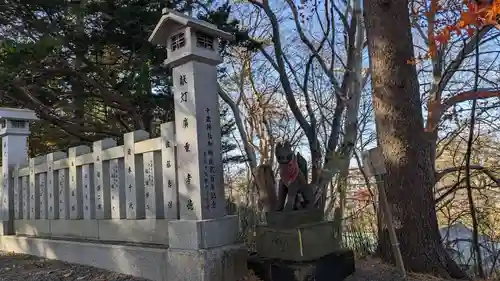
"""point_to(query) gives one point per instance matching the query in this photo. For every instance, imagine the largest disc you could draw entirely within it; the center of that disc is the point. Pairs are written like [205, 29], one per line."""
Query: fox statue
[294, 192]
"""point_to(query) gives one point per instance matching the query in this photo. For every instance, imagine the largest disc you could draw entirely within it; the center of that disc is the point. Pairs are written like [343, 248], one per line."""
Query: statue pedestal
[333, 267]
[301, 243]
[287, 220]
[300, 246]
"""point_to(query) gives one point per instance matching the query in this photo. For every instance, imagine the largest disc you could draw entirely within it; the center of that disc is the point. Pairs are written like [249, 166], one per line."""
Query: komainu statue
[293, 192]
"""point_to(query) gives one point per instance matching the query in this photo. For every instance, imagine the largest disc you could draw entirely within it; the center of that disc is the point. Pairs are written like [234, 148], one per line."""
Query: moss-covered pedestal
[302, 245]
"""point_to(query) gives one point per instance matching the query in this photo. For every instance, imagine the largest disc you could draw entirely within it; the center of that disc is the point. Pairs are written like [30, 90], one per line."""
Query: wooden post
[373, 163]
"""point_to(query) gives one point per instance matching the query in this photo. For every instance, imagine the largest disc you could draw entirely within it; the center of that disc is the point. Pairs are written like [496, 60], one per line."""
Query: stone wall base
[145, 262]
[7, 228]
[206, 250]
[154, 263]
[228, 263]
[147, 231]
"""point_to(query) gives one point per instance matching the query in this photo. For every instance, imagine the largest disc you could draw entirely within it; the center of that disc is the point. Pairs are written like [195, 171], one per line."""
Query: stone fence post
[14, 130]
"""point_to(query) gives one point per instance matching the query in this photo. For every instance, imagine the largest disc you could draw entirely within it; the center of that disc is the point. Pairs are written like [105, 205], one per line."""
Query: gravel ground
[15, 267]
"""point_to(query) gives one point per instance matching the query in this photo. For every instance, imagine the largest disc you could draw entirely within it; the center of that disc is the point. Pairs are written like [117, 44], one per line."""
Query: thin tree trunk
[400, 130]
[475, 235]
[352, 111]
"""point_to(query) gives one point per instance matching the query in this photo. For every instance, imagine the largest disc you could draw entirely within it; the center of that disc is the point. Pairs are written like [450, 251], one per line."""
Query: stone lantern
[188, 39]
[205, 237]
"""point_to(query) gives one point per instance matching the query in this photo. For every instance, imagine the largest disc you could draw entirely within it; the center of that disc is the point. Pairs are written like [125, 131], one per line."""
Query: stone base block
[294, 218]
[203, 234]
[32, 227]
[306, 242]
[227, 263]
[332, 267]
[148, 231]
[87, 229]
[7, 227]
[145, 262]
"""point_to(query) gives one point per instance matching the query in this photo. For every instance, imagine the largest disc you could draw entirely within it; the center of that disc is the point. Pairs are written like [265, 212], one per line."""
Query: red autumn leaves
[476, 14]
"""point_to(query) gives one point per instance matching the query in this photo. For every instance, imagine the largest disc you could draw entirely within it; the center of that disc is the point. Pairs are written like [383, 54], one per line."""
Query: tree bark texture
[405, 147]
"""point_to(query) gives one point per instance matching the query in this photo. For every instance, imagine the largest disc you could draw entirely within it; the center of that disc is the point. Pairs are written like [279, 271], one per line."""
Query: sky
[462, 81]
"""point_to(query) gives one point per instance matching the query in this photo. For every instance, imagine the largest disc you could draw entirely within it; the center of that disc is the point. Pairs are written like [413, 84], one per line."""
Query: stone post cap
[172, 20]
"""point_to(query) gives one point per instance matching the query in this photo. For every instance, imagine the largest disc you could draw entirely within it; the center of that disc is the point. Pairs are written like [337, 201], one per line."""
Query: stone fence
[153, 208]
[107, 192]
[117, 208]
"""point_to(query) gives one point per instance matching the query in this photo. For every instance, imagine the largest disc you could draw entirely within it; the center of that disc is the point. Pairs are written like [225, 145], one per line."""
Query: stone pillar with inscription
[203, 242]
[14, 130]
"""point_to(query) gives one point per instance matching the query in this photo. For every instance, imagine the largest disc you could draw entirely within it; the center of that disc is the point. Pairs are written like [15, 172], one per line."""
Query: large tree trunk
[405, 147]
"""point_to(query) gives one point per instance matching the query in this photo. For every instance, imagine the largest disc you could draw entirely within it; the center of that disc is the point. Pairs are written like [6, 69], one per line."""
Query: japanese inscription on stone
[50, 189]
[184, 96]
[117, 196]
[43, 195]
[186, 146]
[62, 186]
[101, 182]
[149, 184]
[182, 79]
[88, 192]
[17, 194]
[34, 192]
[26, 198]
[209, 167]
